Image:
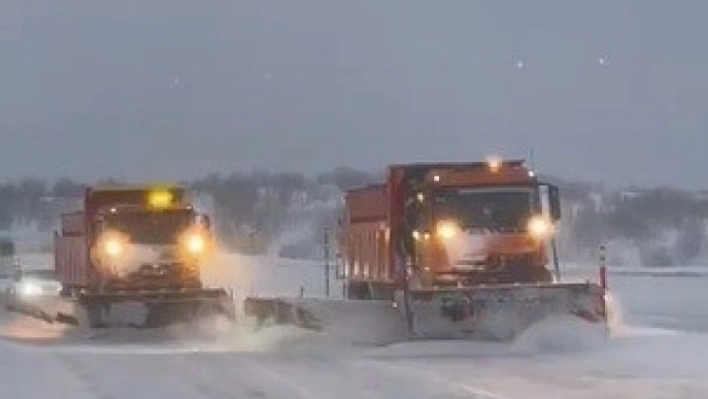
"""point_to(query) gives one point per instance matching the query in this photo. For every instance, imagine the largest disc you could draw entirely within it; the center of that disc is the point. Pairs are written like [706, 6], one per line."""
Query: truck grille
[160, 270]
[511, 259]
[494, 261]
[158, 276]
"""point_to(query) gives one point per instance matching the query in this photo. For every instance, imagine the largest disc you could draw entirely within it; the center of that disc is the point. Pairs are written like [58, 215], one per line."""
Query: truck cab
[478, 224]
[133, 238]
[145, 247]
[448, 225]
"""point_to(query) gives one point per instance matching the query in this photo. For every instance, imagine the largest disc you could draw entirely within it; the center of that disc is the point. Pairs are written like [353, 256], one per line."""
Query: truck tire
[541, 275]
[380, 291]
[96, 314]
[358, 290]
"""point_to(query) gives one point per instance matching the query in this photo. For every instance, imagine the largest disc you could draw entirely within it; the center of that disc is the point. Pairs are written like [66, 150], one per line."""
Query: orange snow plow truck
[131, 245]
[461, 250]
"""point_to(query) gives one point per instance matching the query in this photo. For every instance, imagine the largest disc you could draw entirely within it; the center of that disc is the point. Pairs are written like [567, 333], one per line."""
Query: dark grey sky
[613, 91]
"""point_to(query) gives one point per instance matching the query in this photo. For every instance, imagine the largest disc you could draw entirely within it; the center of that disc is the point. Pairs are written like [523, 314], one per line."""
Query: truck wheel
[541, 275]
[380, 292]
[359, 291]
[96, 314]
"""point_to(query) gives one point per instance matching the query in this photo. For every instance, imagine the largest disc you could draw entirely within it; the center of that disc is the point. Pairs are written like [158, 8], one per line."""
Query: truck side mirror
[554, 202]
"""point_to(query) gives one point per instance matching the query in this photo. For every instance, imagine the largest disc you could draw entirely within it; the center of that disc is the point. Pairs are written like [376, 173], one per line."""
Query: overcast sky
[613, 91]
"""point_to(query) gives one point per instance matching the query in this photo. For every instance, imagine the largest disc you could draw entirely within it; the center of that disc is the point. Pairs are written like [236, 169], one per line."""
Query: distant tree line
[654, 226]
[284, 214]
[257, 212]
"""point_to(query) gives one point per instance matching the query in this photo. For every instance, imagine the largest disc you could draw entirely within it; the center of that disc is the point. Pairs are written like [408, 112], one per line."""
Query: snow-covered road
[162, 373]
[661, 357]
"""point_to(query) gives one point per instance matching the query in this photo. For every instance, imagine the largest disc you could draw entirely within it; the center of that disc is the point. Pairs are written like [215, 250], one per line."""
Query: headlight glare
[540, 227]
[447, 229]
[29, 288]
[196, 244]
[113, 247]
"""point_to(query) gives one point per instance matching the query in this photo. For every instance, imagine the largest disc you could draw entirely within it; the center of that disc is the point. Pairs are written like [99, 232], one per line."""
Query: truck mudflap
[147, 308]
[499, 312]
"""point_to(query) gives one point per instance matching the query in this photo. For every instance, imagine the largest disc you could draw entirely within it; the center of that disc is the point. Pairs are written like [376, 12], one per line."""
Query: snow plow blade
[281, 311]
[499, 312]
[41, 311]
[148, 309]
[361, 322]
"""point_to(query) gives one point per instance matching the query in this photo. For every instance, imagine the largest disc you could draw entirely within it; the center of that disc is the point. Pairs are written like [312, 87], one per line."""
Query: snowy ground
[658, 353]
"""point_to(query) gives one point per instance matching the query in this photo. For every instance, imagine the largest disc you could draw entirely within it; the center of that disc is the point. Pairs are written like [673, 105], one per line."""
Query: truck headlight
[196, 243]
[447, 229]
[539, 227]
[113, 245]
[30, 288]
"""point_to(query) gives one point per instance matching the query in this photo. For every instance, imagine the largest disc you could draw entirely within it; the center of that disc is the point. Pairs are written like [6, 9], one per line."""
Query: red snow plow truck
[136, 245]
[461, 250]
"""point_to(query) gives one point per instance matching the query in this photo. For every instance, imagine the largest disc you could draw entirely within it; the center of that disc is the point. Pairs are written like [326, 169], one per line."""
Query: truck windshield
[152, 227]
[505, 210]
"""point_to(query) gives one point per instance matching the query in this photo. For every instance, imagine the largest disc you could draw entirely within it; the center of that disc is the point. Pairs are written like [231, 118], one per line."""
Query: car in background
[28, 286]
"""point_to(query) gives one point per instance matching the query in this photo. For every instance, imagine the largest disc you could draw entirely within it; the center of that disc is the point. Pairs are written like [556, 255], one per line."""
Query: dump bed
[367, 204]
[73, 224]
[368, 252]
[71, 260]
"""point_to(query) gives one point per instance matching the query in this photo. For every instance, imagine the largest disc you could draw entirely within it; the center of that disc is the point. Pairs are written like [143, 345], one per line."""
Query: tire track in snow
[612, 373]
[294, 387]
[455, 387]
[231, 375]
[351, 377]
[30, 372]
[86, 378]
[117, 376]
